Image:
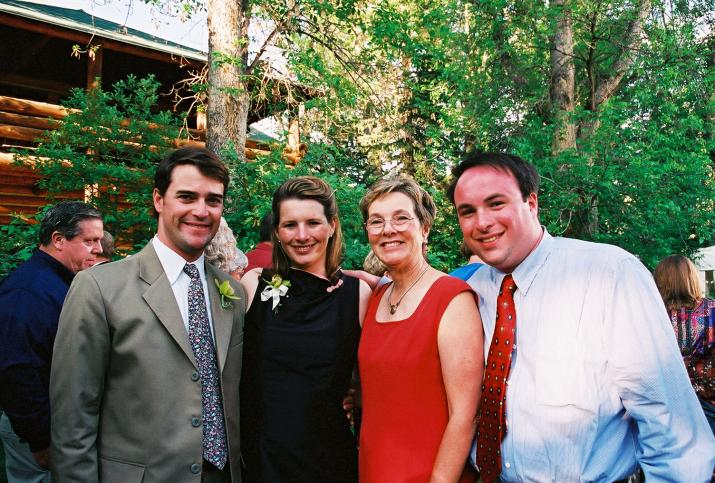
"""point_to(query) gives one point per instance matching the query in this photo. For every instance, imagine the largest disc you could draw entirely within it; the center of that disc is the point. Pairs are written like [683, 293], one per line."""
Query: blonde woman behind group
[421, 352]
[223, 253]
[692, 315]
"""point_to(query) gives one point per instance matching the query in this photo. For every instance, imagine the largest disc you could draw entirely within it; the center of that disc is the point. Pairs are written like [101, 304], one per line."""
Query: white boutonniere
[275, 289]
[226, 291]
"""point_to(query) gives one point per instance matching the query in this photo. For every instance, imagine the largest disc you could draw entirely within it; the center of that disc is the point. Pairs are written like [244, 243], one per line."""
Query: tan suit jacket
[124, 391]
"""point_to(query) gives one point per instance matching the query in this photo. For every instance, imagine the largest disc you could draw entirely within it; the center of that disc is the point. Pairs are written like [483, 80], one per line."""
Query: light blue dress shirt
[597, 383]
[173, 265]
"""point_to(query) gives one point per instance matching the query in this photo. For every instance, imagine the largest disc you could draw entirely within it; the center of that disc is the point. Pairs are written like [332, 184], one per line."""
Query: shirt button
[194, 376]
[196, 468]
[195, 422]
[507, 464]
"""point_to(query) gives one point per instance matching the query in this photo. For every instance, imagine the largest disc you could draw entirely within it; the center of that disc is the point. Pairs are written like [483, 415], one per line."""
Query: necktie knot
[508, 284]
[191, 270]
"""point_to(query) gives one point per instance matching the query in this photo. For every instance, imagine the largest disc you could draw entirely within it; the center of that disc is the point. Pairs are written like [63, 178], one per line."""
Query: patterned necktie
[215, 446]
[491, 428]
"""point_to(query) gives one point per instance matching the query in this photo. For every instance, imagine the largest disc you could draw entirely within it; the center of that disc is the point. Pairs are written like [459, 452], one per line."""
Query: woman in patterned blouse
[692, 316]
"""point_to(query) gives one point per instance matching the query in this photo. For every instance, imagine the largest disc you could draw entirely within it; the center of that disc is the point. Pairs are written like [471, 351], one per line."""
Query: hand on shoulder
[250, 281]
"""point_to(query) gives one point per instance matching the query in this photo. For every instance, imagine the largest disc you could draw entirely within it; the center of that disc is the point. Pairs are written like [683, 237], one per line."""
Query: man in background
[31, 299]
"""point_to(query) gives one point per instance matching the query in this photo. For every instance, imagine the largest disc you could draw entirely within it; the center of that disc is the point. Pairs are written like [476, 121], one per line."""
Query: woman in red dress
[421, 351]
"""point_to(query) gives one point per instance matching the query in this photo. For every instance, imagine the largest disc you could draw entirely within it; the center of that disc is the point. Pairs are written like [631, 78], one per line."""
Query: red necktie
[491, 428]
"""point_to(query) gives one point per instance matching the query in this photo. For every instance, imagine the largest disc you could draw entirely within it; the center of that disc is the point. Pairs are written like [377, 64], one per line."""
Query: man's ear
[533, 201]
[57, 240]
[158, 200]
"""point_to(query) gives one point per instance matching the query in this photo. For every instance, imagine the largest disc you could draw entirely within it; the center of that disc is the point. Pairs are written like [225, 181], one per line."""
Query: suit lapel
[222, 318]
[160, 298]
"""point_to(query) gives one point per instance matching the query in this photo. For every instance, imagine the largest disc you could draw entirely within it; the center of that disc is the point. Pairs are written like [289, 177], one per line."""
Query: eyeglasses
[375, 226]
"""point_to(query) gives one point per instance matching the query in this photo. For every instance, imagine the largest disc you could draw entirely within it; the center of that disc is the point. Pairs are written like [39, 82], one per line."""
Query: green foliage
[17, 241]
[430, 80]
[106, 151]
[410, 85]
[253, 184]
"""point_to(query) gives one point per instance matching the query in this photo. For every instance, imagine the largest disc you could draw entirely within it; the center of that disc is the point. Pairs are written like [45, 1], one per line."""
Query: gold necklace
[393, 307]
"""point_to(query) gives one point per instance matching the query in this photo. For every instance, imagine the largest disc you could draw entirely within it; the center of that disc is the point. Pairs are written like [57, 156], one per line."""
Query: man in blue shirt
[596, 385]
[31, 298]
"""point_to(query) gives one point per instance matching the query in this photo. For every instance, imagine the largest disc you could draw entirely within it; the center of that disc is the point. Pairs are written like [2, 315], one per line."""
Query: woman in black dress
[301, 336]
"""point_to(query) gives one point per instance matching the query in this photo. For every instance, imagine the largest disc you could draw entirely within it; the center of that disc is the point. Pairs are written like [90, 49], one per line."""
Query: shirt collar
[65, 273]
[526, 271]
[172, 262]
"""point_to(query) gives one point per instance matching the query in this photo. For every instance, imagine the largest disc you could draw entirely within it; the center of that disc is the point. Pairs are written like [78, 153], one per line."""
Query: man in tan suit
[147, 360]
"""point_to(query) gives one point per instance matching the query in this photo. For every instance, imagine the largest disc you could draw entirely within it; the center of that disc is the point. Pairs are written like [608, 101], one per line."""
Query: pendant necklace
[393, 307]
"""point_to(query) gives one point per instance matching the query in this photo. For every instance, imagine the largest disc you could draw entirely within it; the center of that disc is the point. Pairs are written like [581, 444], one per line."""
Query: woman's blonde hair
[308, 188]
[222, 251]
[678, 282]
[373, 265]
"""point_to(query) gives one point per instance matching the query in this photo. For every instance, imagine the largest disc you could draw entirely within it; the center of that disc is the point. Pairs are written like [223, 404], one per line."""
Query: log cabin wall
[37, 70]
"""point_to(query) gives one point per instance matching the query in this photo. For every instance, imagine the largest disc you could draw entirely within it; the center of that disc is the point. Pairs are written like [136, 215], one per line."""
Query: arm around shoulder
[79, 362]
[249, 281]
[365, 293]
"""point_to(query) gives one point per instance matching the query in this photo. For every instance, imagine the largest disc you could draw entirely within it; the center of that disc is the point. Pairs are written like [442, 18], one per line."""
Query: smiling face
[401, 247]
[189, 211]
[303, 232]
[497, 223]
[81, 251]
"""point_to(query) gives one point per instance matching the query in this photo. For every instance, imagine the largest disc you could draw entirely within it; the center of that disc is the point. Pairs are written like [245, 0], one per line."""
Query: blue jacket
[465, 271]
[31, 299]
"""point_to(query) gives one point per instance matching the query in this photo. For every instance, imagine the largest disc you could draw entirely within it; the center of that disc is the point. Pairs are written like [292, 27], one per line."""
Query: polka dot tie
[491, 428]
[215, 449]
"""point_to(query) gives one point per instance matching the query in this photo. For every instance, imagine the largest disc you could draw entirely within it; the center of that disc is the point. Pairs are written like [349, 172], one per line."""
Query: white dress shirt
[173, 265]
[597, 383]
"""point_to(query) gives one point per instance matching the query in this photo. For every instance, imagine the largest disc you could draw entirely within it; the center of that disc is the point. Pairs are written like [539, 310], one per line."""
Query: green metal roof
[84, 22]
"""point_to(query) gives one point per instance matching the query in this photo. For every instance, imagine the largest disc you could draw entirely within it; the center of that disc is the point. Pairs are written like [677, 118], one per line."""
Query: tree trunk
[228, 99]
[604, 89]
[562, 86]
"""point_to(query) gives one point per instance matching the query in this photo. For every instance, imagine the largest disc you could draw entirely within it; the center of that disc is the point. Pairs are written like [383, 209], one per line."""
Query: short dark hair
[527, 178]
[266, 227]
[65, 218]
[206, 161]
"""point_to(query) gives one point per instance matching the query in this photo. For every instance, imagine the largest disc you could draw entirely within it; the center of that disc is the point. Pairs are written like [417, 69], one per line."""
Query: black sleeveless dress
[297, 366]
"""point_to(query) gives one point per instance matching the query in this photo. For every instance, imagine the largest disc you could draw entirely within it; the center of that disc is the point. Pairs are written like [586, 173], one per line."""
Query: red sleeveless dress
[404, 401]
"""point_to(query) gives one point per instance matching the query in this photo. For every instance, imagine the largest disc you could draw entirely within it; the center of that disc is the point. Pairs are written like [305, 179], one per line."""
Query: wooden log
[19, 133]
[24, 189]
[43, 110]
[7, 160]
[43, 123]
[7, 214]
[33, 108]
[35, 201]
